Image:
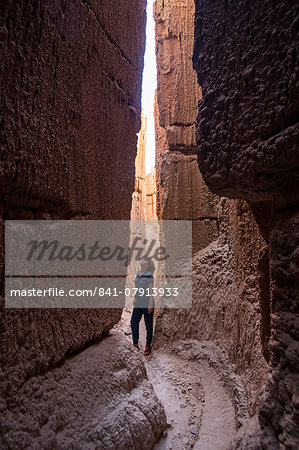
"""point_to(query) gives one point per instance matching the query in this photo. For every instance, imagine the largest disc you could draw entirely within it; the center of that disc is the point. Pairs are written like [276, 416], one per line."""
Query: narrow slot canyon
[223, 373]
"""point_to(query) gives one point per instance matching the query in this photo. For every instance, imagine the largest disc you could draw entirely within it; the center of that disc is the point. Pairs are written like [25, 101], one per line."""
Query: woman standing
[144, 303]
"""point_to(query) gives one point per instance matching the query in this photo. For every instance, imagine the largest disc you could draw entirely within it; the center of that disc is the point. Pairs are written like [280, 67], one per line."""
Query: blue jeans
[148, 319]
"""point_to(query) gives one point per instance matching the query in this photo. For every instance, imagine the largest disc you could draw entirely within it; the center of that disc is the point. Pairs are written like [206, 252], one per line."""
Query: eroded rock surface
[245, 57]
[98, 398]
[204, 399]
[70, 85]
[179, 183]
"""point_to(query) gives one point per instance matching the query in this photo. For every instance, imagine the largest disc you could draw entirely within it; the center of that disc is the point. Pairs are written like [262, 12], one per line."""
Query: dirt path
[200, 413]
[181, 393]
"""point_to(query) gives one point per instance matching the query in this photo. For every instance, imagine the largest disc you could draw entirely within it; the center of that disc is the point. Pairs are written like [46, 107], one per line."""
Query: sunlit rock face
[226, 239]
[71, 88]
[247, 129]
[151, 195]
[71, 83]
[139, 194]
[144, 196]
[181, 193]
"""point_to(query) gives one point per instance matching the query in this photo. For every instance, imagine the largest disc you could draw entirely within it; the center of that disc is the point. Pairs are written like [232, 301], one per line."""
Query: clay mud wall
[70, 111]
[245, 55]
[226, 239]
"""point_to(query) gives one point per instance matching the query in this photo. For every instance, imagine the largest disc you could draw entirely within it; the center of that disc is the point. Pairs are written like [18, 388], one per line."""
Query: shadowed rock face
[247, 129]
[71, 81]
[245, 58]
[70, 85]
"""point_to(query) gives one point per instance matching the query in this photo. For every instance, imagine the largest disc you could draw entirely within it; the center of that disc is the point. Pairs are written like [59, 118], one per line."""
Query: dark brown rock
[70, 87]
[245, 58]
[99, 398]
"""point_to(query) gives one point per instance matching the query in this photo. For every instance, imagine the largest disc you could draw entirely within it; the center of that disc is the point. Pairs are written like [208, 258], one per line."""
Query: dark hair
[150, 265]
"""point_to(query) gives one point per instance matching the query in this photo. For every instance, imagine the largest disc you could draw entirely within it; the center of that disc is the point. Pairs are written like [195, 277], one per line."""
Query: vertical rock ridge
[226, 238]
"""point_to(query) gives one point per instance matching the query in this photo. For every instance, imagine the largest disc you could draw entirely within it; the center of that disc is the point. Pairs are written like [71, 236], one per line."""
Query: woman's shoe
[147, 349]
[136, 346]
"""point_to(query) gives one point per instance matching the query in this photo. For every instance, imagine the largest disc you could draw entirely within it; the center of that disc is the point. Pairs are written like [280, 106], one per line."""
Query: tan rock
[181, 192]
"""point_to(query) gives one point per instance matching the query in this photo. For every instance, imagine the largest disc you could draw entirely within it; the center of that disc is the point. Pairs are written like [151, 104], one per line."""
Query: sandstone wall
[226, 240]
[70, 111]
[246, 59]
